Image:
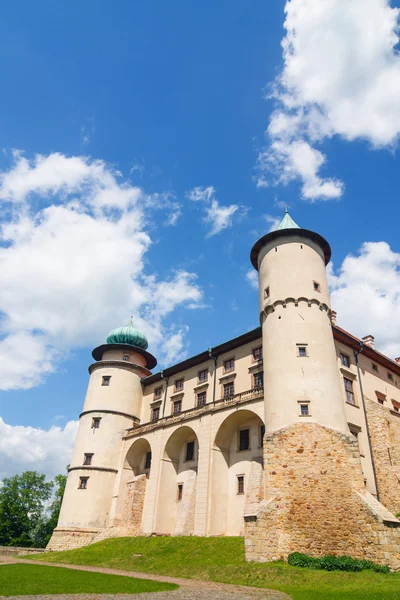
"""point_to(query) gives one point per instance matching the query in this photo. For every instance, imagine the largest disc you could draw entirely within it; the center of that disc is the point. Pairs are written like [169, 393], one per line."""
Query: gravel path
[190, 589]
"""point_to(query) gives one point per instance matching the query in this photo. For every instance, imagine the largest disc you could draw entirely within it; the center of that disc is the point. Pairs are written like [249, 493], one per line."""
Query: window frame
[240, 488]
[349, 392]
[198, 404]
[83, 482]
[179, 495]
[346, 363]
[96, 422]
[240, 449]
[125, 357]
[200, 376]
[317, 286]
[179, 381]
[192, 445]
[254, 350]
[177, 403]
[300, 348]
[147, 461]
[158, 392]
[87, 458]
[105, 380]
[224, 387]
[155, 410]
[258, 386]
[229, 360]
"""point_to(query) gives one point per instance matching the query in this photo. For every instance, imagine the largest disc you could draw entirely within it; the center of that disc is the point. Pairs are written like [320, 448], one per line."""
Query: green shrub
[398, 516]
[334, 563]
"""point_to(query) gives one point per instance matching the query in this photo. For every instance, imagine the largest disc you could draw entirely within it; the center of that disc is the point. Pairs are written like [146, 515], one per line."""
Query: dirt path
[190, 589]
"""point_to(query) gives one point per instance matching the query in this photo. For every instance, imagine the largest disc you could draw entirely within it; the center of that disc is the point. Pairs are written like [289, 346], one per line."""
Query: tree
[22, 506]
[41, 534]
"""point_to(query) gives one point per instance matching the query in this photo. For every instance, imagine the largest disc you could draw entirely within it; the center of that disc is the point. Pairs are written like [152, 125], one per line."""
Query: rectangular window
[155, 414]
[257, 354]
[96, 422]
[240, 484]
[203, 375]
[87, 459]
[304, 410]
[317, 287]
[302, 350]
[179, 385]
[147, 463]
[158, 393]
[189, 451]
[201, 399]
[105, 380]
[380, 397]
[345, 360]
[262, 433]
[177, 407]
[229, 389]
[83, 483]
[229, 365]
[244, 439]
[180, 491]
[348, 386]
[258, 380]
[390, 376]
[126, 357]
[375, 367]
[266, 293]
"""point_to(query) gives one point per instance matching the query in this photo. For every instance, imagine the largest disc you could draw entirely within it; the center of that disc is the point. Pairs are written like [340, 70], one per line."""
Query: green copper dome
[127, 335]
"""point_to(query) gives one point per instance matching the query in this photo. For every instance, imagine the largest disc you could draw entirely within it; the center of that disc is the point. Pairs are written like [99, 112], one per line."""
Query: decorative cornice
[90, 468]
[110, 412]
[270, 308]
[120, 364]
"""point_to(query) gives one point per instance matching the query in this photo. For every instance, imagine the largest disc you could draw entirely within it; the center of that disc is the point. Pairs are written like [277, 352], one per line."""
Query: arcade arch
[237, 483]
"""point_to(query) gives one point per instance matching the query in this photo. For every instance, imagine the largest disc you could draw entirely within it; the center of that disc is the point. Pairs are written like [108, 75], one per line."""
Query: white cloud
[252, 278]
[72, 258]
[341, 77]
[31, 449]
[365, 292]
[217, 216]
[273, 222]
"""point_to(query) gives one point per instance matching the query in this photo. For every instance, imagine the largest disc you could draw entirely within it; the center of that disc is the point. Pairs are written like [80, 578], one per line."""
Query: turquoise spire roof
[287, 222]
[128, 335]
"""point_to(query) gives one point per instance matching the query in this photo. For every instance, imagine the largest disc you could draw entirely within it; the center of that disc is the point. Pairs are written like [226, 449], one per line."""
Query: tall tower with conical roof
[315, 499]
[112, 405]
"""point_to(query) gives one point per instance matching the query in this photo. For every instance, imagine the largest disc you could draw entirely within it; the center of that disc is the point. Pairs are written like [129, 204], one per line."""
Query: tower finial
[287, 209]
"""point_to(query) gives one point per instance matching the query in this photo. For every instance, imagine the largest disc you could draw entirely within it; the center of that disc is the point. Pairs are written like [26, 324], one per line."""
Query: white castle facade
[288, 435]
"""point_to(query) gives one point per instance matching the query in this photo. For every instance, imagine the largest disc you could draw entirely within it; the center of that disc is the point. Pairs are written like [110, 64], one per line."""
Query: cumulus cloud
[341, 77]
[72, 256]
[31, 449]
[365, 292]
[252, 278]
[216, 216]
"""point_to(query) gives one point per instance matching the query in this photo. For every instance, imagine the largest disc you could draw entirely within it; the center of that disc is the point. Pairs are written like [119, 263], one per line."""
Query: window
[189, 451]
[180, 491]
[257, 354]
[229, 389]
[258, 380]
[244, 439]
[317, 287]
[155, 414]
[380, 397]
[375, 367]
[304, 411]
[262, 433]
[147, 463]
[83, 483]
[302, 350]
[158, 393]
[240, 484]
[348, 386]
[229, 365]
[390, 376]
[266, 293]
[203, 375]
[96, 422]
[396, 406]
[345, 360]
[87, 459]
[105, 380]
[126, 357]
[201, 399]
[177, 407]
[179, 385]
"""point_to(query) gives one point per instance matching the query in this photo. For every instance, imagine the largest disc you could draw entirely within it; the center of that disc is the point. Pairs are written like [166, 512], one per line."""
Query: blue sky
[176, 97]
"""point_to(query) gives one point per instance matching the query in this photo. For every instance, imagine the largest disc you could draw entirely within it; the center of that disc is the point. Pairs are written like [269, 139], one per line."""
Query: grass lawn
[222, 559]
[21, 579]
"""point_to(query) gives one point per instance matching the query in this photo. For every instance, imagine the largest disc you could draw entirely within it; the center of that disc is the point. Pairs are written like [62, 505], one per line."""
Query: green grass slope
[222, 559]
[22, 579]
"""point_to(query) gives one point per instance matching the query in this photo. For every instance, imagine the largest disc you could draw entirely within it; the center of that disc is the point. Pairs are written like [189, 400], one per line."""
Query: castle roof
[287, 222]
[128, 335]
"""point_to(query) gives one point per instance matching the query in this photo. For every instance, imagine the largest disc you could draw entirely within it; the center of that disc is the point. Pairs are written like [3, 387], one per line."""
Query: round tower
[112, 405]
[301, 378]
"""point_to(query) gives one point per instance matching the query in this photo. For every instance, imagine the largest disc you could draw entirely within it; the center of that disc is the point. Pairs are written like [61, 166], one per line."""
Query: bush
[334, 563]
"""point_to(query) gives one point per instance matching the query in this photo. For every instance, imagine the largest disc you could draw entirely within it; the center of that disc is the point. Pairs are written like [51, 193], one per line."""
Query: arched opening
[237, 472]
[133, 486]
[177, 492]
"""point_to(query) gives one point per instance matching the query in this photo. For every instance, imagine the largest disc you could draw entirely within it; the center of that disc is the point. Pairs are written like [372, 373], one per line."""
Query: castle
[288, 435]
